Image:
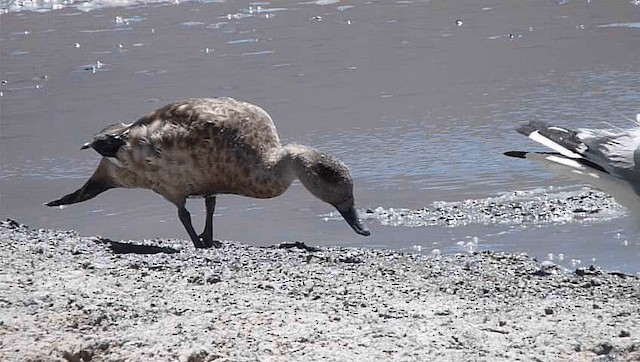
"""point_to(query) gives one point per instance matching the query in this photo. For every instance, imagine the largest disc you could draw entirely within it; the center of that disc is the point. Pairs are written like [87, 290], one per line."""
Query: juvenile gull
[203, 147]
[607, 159]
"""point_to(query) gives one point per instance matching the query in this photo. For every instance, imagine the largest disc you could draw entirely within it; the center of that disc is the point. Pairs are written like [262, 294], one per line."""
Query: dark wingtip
[53, 203]
[107, 145]
[516, 154]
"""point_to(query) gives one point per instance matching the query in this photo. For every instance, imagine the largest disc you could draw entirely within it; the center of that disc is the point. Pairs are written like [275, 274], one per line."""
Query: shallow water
[419, 105]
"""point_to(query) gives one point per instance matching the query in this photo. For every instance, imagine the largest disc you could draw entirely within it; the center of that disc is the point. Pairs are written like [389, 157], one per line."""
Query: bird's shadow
[118, 247]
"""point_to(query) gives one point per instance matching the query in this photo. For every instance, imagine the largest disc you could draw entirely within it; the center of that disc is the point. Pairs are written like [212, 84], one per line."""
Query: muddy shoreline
[75, 298]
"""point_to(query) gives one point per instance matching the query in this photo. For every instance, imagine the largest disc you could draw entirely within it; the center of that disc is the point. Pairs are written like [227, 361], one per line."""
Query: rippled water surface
[419, 98]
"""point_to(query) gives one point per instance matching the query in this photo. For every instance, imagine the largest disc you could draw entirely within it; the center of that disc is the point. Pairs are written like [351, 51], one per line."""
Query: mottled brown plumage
[210, 146]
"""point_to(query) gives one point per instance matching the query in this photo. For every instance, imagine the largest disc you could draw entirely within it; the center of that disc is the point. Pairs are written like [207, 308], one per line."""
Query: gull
[204, 147]
[606, 159]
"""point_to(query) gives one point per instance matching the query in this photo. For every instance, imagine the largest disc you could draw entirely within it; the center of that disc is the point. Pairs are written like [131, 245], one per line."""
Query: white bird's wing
[617, 151]
[607, 159]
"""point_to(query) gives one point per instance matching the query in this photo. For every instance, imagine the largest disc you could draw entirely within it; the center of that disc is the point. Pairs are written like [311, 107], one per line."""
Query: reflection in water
[594, 98]
[48, 169]
[426, 153]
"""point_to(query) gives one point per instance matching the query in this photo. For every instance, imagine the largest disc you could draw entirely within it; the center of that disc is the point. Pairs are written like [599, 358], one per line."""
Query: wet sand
[76, 298]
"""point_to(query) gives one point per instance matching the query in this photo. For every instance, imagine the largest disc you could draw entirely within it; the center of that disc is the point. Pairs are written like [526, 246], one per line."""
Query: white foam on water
[620, 25]
[321, 2]
[539, 206]
[82, 5]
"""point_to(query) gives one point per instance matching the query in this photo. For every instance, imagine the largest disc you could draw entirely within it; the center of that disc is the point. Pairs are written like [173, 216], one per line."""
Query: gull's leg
[185, 218]
[207, 234]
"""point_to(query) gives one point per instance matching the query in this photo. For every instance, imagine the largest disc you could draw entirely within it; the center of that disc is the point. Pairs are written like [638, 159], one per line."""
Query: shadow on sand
[127, 248]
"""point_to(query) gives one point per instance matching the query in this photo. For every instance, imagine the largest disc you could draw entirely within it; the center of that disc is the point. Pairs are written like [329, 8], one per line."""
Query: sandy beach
[419, 98]
[69, 297]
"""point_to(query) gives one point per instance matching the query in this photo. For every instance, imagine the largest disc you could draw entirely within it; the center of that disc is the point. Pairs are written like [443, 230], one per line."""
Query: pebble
[508, 209]
[548, 311]
[245, 303]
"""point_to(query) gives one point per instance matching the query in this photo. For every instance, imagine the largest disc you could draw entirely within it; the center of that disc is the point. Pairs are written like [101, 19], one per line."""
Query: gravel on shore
[540, 206]
[72, 298]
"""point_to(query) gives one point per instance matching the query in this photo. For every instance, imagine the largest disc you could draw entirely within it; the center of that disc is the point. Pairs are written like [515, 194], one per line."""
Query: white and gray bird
[606, 159]
[203, 147]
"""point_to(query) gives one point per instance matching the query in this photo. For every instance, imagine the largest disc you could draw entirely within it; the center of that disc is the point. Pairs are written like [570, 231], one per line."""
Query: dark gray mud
[68, 297]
